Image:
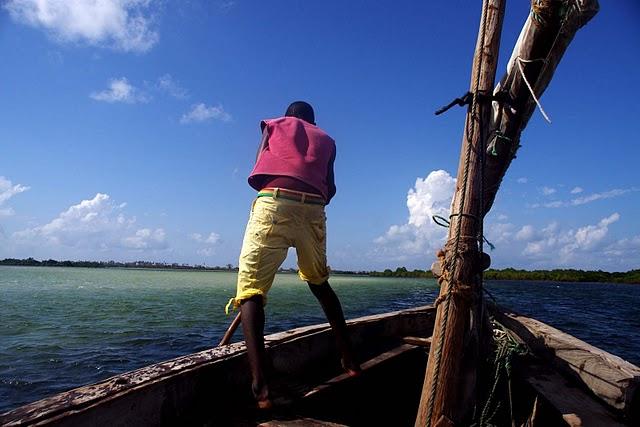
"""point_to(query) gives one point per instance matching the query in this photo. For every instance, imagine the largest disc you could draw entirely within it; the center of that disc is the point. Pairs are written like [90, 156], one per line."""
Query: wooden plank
[611, 378]
[299, 422]
[418, 341]
[576, 407]
[366, 366]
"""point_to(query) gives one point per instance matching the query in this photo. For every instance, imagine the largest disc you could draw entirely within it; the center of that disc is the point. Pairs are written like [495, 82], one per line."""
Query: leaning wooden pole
[545, 37]
[448, 390]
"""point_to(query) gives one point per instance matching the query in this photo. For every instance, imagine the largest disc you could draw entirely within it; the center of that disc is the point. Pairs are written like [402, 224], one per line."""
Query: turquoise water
[64, 327]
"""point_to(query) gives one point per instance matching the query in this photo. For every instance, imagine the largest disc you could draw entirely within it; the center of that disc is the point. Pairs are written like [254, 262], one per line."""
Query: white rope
[519, 61]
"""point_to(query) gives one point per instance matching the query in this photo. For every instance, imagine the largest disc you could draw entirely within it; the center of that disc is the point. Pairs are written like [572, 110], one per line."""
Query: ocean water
[61, 328]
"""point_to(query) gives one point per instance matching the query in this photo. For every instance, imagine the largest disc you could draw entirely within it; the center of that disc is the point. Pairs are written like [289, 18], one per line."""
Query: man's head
[301, 110]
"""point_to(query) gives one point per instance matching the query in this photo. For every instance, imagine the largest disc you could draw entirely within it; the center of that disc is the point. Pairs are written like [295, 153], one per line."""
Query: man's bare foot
[261, 394]
[351, 368]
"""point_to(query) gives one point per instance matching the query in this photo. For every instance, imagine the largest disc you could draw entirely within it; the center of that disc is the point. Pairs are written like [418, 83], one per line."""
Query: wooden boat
[562, 381]
[538, 377]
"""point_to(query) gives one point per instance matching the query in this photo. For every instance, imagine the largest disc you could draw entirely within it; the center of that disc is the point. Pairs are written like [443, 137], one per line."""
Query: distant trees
[558, 275]
[564, 275]
[30, 262]
[401, 272]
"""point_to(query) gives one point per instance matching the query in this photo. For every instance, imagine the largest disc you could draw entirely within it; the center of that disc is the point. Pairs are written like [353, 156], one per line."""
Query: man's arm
[331, 184]
[264, 142]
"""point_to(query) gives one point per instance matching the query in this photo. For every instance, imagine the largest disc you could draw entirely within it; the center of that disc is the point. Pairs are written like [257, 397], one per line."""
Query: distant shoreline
[557, 275]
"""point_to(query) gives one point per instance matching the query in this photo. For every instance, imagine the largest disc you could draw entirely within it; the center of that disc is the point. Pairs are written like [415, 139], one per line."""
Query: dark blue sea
[61, 328]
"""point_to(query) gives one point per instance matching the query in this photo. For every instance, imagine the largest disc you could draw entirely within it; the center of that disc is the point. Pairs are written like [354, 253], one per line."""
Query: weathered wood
[613, 380]
[539, 49]
[366, 366]
[194, 389]
[300, 422]
[418, 341]
[574, 405]
[449, 384]
[543, 41]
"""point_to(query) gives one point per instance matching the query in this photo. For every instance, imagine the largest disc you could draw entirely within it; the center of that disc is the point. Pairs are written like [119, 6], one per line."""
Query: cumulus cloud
[522, 180]
[202, 113]
[624, 252]
[168, 85]
[120, 90]
[7, 191]
[97, 223]
[125, 25]
[146, 238]
[525, 233]
[587, 237]
[499, 233]
[429, 196]
[554, 244]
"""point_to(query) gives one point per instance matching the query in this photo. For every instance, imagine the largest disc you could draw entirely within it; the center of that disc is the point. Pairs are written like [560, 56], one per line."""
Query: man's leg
[333, 310]
[252, 310]
[264, 248]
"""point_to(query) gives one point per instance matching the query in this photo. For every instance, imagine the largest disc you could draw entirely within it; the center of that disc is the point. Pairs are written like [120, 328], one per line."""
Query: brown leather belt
[296, 196]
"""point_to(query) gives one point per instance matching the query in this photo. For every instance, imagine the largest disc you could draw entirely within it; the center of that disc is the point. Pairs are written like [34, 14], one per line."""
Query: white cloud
[554, 245]
[585, 199]
[212, 239]
[97, 224]
[125, 25]
[7, 191]
[525, 233]
[430, 196]
[547, 191]
[499, 232]
[120, 91]
[167, 84]
[625, 252]
[577, 190]
[522, 180]
[208, 251]
[586, 238]
[146, 238]
[599, 196]
[201, 113]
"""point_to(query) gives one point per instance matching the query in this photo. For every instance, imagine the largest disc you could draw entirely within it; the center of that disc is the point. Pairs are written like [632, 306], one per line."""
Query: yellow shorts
[275, 225]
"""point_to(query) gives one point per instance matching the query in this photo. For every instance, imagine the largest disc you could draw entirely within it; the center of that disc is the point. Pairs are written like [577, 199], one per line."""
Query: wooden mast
[448, 390]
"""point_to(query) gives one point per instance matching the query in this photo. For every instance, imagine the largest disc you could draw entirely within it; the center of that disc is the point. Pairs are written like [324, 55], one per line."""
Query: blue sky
[128, 128]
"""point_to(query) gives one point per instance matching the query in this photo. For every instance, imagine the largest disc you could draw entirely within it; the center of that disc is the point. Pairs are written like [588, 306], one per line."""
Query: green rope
[507, 349]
